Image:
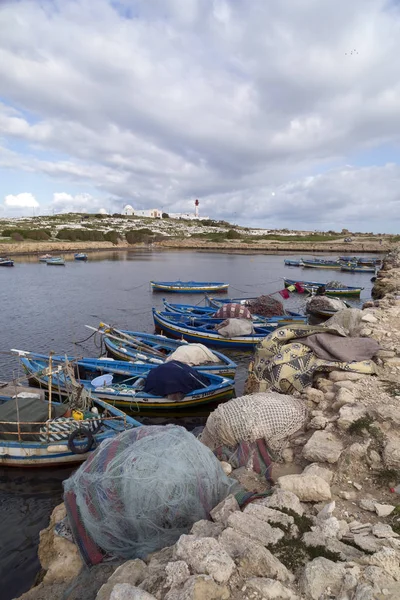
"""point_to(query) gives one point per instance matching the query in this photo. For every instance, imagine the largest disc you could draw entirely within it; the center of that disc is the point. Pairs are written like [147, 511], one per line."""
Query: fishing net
[267, 415]
[141, 490]
[266, 306]
[337, 285]
[324, 303]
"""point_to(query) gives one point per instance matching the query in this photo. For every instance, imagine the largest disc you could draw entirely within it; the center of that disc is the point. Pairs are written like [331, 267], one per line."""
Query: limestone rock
[252, 559]
[369, 318]
[391, 452]
[285, 500]
[177, 573]
[383, 530]
[314, 394]
[342, 397]
[199, 587]
[316, 538]
[206, 528]
[364, 592]
[316, 469]
[320, 575]
[226, 467]
[347, 385]
[270, 515]
[318, 422]
[270, 589]
[287, 455]
[58, 556]
[125, 591]
[323, 446]
[387, 559]
[308, 488]
[205, 556]
[254, 528]
[221, 512]
[369, 543]
[345, 376]
[367, 504]
[384, 510]
[349, 414]
[132, 572]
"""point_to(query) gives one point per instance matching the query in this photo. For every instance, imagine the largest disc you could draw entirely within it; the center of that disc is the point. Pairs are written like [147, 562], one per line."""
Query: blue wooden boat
[312, 286]
[154, 349]
[189, 287]
[126, 388]
[56, 261]
[202, 329]
[80, 256]
[37, 449]
[319, 263]
[6, 262]
[352, 268]
[209, 311]
[360, 260]
[44, 258]
[293, 263]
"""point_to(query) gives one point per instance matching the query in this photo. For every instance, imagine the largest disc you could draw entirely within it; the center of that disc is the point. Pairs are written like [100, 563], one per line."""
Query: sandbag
[193, 354]
[235, 327]
[142, 490]
[233, 311]
[268, 415]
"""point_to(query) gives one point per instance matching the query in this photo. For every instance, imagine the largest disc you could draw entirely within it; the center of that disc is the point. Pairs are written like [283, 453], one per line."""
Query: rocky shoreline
[330, 528]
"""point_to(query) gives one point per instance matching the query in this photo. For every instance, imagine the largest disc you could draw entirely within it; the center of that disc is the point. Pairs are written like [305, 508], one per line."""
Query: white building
[153, 213]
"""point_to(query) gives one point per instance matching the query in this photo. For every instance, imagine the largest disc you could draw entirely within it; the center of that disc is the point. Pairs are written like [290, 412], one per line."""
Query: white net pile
[268, 415]
[145, 488]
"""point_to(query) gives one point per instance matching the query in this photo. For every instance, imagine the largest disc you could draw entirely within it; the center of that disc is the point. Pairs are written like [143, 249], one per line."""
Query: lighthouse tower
[196, 209]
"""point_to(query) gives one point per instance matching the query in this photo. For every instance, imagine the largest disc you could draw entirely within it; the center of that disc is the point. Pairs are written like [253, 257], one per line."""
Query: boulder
[323, 446]
[387, 559]
[318, 422]
[342, 397]
[253, 559]
[206, 528]
[349, 414]
[270, 515]
[199, 587]
[384, 510]
[314, 394]
[270, 589]
[284, 500]
[133, 572]
[221, 512]
[369, 318]
[308, 488]
[125, 591]
[383, 530]
[391, 452]
[321, 575]
[254, 528]
[177, 573]
[345, 376]
[316, 469]
[205, 556]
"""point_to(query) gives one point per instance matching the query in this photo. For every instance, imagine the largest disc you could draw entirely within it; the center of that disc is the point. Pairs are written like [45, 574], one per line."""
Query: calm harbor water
[46, 309]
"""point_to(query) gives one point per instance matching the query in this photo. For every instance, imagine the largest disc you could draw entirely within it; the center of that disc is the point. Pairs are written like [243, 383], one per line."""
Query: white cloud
[156, 103]
[24, 200]
[64, 203]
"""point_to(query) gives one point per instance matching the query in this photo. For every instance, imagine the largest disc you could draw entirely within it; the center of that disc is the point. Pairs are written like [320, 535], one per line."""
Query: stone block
[323, 446]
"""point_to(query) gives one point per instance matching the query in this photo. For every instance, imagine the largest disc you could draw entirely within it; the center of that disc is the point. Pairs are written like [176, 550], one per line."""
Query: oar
[131, 341]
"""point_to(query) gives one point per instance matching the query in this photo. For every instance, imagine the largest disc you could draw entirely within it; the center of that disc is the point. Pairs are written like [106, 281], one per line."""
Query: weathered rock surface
[206, 528]
[316, 469]
[349, 414]
[205, 556]
[125, 591]
[391, 452]
[221, 512]
[308, 488]
[270, 589]
[132, 572]
[199, 587]
[254, 528]
[282, 499]
[322, 576]
[345, 376]
[323, 446]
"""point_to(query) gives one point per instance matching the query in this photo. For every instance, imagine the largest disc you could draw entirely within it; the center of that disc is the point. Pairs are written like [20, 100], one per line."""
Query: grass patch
[392, 388]
[362, 424]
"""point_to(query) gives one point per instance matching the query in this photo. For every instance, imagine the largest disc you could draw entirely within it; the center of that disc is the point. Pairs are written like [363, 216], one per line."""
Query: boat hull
[188, 287]
[6, 263]
[312, 265]
[312, 286]
[358, 269]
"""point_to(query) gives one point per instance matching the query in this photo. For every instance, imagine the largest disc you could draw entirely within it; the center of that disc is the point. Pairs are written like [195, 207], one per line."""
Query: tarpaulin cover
[233, 311]
[174, 377]
[27, 411]
[142, 490]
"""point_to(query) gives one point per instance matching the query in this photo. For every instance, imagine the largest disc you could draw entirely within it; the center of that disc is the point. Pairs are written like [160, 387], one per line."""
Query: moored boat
[195, 329]
[38, 433]
[80, 256]
[45, 257]
[316, 263]
[122, 384]
[154, 349]
[56, 261]
[293, 263]
[312, 286]
[6, 262]
[353, 268]
[189, 287]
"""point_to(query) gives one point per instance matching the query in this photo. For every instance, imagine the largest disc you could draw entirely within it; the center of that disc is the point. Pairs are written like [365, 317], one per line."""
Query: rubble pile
[329, 528]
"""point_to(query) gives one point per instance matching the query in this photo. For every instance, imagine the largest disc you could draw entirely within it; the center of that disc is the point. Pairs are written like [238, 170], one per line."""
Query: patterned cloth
[232, 311]
[287, 366]
[252, 455]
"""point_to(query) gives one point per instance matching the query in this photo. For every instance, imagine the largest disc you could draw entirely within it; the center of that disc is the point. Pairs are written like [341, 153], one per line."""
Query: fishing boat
[121, 383]
[352, 268]
[218, 302]
[312, 286]
[319, 263]
[189, 287]
[202, 329]
[45, 257]
[154, 349]
[293, 263]
[29, 438]
[56, 261]
[80, 256]
[6, 262]
[209, 311]
[360, 260]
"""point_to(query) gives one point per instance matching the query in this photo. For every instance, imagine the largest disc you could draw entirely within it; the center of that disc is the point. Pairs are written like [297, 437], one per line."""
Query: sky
[273, 114]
